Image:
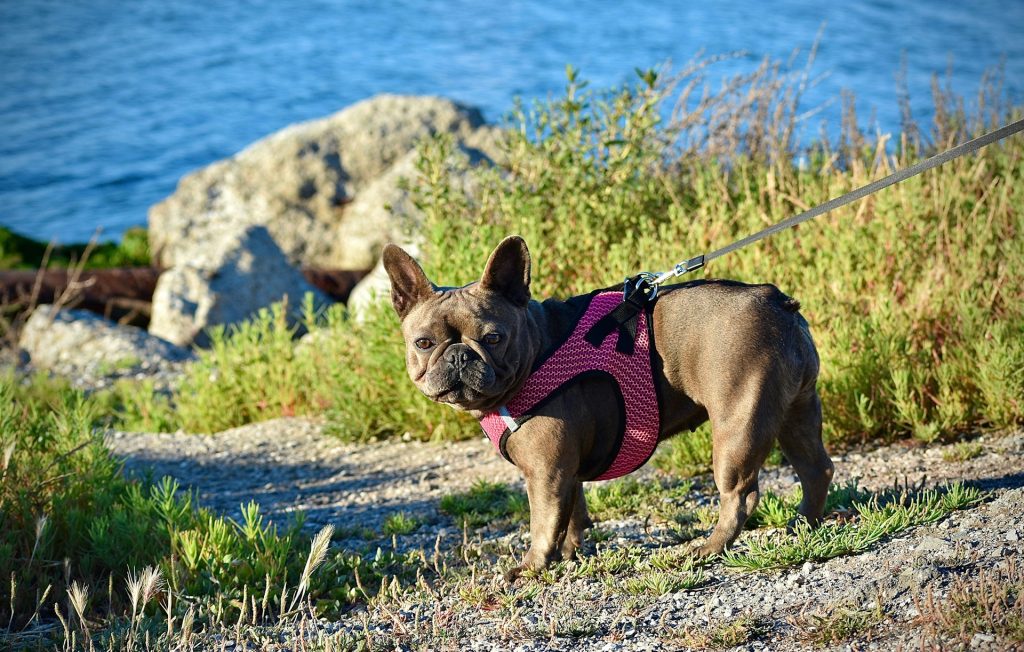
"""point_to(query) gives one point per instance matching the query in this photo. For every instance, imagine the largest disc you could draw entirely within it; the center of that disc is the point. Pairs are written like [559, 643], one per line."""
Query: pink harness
[576, 357]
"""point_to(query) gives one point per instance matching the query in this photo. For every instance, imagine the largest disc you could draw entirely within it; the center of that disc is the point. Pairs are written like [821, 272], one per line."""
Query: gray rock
[980, 640]
[302, 181]
[383, 212]
[933, 548]
[224, 284]
[86, 347]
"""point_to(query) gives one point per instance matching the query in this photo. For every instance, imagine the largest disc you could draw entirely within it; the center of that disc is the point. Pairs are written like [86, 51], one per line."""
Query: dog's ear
[409, 285]
[508, 271]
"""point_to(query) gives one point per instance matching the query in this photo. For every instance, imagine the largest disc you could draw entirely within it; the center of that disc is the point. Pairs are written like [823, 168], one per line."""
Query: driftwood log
[124, 295]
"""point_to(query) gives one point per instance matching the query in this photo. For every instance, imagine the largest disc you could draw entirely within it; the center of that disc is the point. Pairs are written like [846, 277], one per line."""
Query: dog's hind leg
[800, 441]
[739, 452]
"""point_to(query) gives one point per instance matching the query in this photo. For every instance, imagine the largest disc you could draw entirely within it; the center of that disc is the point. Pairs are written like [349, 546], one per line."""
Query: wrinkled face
[466, 347]
[470, 347]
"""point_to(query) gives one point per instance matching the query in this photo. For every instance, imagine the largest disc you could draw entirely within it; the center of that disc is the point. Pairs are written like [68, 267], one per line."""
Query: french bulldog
[740, 356]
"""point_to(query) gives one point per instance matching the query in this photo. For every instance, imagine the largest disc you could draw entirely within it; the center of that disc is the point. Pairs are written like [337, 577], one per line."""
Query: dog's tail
[791, 304]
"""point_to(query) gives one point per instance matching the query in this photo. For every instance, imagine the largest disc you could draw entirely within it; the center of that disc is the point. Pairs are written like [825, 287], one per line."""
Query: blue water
[104, 104]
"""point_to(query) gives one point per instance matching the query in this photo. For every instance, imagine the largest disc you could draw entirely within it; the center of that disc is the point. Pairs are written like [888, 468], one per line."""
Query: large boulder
[225, 283]
[92, 351]
[306, 183]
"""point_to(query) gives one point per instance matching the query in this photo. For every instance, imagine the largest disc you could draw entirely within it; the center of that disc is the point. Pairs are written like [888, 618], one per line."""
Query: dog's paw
[801, 522]
[707, 551]
[512, 574]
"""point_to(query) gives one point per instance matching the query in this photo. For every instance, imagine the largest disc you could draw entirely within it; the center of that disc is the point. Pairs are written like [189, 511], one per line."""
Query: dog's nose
[458, 356]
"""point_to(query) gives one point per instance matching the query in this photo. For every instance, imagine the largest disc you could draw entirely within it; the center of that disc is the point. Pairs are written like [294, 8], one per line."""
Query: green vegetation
[143, 561]
[878, 516]
[19, 252]
[687, 454]
[484, 503]
[629, 496]
[725, 635]
[352, 372]
[837, 625]
[963, 451]
[602, 185]
[400, 523]
[70, 524]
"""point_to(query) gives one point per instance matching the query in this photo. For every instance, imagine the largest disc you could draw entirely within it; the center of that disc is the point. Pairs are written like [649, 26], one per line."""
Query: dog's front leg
[552, 494]
[548, 454]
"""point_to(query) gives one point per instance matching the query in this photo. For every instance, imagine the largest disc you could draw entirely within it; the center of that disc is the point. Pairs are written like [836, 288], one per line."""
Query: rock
[386, 200]
[225, 284]
[933, 548]
[382, 213]
[303, 181]
[980, 640]
[918, 575]
[86, 347]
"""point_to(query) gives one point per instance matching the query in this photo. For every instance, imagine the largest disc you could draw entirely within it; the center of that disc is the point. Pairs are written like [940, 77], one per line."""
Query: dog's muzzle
[457, 357]
[463, 368]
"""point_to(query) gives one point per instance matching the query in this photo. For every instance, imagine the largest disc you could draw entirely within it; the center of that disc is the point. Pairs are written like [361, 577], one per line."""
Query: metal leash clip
[684, 267]
[631, 284]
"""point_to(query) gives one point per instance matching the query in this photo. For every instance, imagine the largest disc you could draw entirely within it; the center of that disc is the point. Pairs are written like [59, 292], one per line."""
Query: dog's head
[470, 347]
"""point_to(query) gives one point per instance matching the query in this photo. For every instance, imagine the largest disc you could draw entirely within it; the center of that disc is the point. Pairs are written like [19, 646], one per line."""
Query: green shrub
[908, 293]
[913, 295]
[67, 515]
[20, 252]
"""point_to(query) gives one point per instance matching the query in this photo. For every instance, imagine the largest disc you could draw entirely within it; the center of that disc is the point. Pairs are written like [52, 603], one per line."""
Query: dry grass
[988, 605]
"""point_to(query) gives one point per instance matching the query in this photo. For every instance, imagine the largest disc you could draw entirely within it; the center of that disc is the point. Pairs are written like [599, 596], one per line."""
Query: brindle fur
[738, 355]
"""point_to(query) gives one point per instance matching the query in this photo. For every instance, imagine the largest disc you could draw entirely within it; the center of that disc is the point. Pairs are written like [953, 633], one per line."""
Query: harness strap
[624, 318]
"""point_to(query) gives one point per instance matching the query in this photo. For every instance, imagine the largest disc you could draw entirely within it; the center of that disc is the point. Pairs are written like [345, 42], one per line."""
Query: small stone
[980, 639]
[1012, 535]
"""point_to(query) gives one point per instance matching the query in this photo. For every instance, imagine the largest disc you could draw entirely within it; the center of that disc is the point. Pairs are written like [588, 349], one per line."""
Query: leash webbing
[900, 175]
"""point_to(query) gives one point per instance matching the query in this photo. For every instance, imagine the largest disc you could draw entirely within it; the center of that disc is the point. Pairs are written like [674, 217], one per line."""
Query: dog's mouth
[462, 397]
[452, 396]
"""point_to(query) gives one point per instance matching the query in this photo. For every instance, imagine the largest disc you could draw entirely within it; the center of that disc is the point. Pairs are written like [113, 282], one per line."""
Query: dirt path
[290, 464]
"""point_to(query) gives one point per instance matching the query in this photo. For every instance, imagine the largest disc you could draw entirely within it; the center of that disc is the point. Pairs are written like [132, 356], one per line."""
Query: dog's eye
[424, 343]
[492, 338]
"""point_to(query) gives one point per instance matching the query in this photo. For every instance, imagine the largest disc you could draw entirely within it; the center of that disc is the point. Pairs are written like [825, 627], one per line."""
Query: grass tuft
[836, 625]
[879, 516]
[963, 451]
[629, 496]
[725, 635]
[484, 503]
[990, 604]
[400, 523]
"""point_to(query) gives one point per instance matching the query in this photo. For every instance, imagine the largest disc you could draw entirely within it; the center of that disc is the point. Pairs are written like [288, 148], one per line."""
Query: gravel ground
[291, 464]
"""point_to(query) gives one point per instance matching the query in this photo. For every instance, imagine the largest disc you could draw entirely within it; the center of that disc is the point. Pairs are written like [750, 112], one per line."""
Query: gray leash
[654, 280]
